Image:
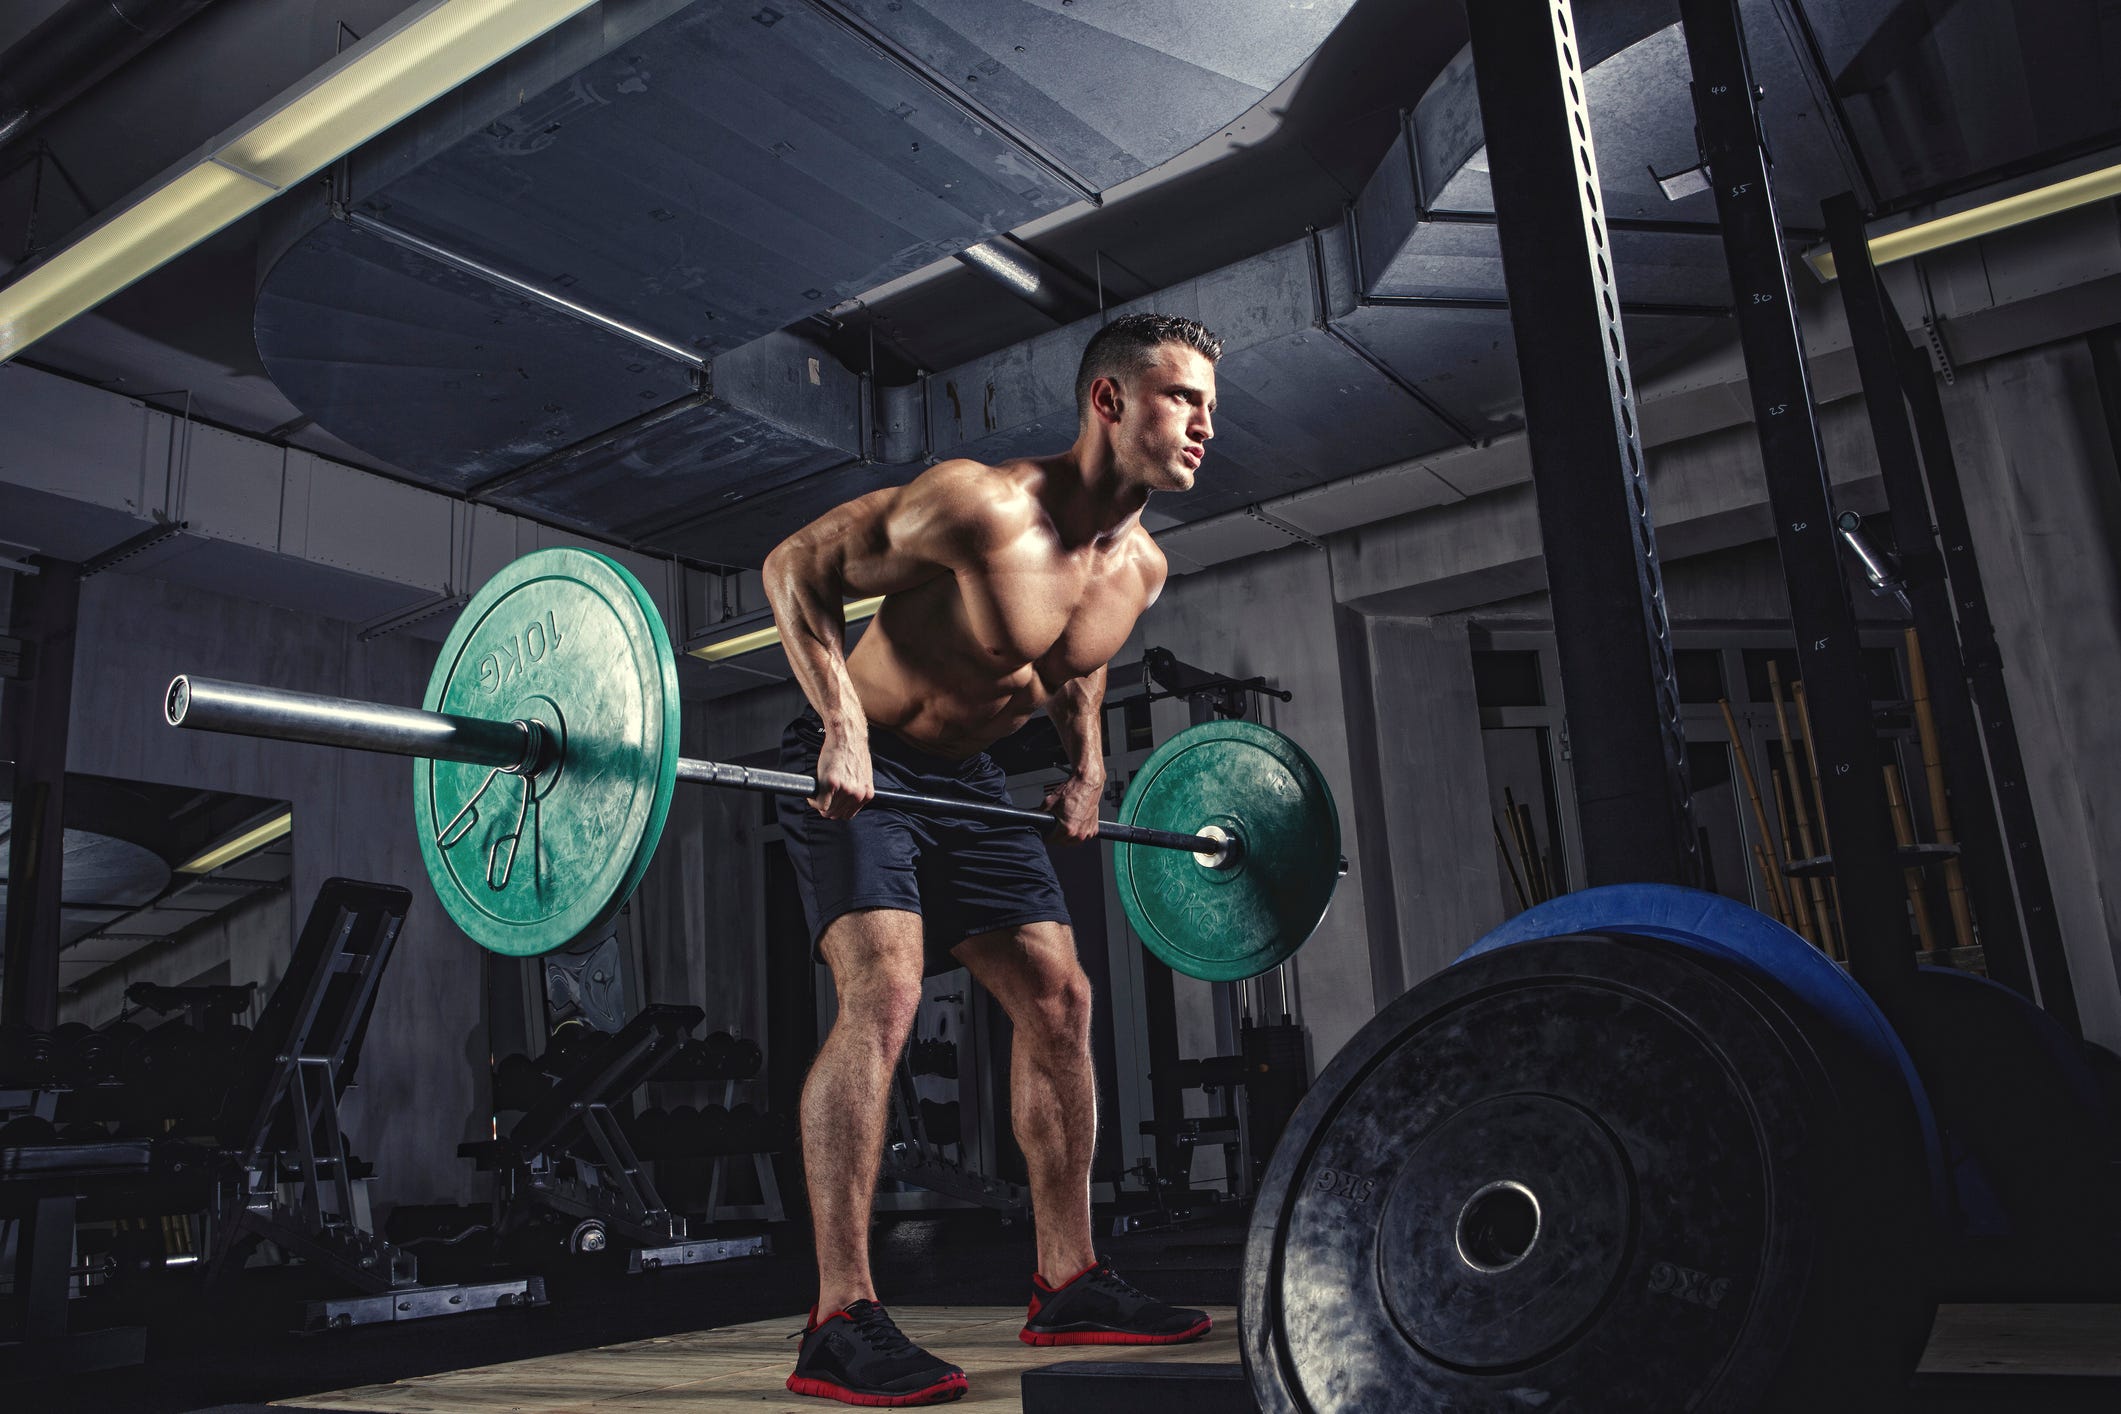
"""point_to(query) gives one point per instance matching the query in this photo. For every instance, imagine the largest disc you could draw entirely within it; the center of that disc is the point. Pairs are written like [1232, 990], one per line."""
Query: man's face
[1166, 418]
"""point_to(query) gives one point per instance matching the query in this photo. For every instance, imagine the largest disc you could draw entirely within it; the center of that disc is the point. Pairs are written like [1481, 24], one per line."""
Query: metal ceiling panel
[1299, 410]
[439, 373]
[1937, 95]
[1109, 87]
[782, 409]
[732, 169]
[1465, 360]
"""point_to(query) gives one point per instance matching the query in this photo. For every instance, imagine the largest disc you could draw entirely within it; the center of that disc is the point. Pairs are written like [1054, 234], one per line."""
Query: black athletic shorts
[964, 877]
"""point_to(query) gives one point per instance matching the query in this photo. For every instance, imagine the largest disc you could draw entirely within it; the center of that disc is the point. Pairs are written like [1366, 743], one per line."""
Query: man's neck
[1089, 497]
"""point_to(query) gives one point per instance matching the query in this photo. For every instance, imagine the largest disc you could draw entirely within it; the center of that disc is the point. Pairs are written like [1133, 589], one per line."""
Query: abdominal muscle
[920, 676]
[950, 708]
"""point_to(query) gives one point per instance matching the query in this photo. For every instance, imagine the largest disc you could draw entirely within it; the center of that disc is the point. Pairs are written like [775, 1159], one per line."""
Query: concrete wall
[2038, 466]
[1433, 786]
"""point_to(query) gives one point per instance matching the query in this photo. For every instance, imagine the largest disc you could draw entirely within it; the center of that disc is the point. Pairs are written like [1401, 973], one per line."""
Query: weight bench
[280, 1123]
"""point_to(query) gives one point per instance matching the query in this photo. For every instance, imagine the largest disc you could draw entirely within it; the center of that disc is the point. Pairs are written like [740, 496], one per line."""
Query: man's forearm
[1077, 711]
[813, 625]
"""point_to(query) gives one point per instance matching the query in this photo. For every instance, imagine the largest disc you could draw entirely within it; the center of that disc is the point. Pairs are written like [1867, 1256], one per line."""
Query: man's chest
[1068, 617]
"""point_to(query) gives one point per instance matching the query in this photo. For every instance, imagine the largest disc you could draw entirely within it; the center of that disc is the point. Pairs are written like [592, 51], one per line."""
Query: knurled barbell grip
[244, 709]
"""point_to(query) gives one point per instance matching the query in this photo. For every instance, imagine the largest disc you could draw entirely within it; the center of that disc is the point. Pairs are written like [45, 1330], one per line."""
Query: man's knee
[876, 962]
[1060, 1008]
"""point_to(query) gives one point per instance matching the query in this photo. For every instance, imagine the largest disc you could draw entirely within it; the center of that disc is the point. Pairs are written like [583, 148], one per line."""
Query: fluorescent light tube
[738, 644]
[394, 73]
[170, 219]
[1983, 220]
[400, 68]
[249, 842]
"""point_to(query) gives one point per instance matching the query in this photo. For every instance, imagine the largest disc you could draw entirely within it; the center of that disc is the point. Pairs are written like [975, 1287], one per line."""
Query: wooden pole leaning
[1904, 836]
[1800, 901]
[1752, 793]
[1933, 775]
[1793, 776]
[1826, 842]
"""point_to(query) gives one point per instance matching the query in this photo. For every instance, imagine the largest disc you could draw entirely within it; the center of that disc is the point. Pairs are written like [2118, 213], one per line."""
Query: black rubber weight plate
[1589, 1174]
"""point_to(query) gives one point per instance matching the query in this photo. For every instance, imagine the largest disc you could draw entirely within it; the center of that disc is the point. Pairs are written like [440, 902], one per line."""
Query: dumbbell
[943, 1121]
[572, 1041]
[74, 1045]
[714, 1130]
[683, 1136]
[25, 1055]
[747, 1130]
[125, 1038]
[745, 1058]
[714, 1051]
[935, 1057]
[650, 1135]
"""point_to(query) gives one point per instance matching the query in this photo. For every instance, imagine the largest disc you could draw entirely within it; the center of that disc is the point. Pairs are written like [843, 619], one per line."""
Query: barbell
[546, 757]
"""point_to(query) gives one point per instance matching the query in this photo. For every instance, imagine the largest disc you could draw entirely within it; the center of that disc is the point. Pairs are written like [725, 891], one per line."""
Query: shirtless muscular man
[1006, 589]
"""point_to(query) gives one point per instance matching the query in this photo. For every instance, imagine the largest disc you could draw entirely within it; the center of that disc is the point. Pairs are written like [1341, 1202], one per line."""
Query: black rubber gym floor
[238, 1352]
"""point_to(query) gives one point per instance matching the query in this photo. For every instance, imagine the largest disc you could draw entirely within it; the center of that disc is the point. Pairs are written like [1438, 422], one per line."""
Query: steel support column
[1881, 345]
[1829, 655]
[1621, 697]
[33, 731]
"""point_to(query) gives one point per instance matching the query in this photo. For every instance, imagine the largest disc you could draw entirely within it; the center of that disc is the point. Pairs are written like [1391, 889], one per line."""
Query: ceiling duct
[78, 45]
[1036, 281]
[1383, 344]
[713, 173]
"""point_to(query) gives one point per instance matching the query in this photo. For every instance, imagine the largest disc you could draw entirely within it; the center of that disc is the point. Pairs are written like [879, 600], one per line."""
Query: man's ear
[1105, 399]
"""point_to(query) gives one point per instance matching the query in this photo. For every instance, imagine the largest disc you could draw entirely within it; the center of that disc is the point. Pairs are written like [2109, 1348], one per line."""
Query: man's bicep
[936, 524]
[884, 542]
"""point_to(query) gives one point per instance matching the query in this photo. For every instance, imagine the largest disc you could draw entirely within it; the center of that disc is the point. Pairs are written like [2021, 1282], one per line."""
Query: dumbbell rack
[914, 1157]
[769, 1208]
[612, 1194]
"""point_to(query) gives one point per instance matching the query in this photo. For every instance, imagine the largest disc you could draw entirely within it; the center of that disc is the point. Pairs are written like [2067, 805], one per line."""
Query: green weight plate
[1222, 924]
[526, 865]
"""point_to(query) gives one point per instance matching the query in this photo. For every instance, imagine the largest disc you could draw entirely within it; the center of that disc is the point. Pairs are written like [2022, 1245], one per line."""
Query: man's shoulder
[978, 492]
[1148, 557]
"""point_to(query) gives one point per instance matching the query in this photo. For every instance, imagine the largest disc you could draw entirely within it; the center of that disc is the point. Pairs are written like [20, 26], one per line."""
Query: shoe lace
[876, 1327]
[1112, 1281]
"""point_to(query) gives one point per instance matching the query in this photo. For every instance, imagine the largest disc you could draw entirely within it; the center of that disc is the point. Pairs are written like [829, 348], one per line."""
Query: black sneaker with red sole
[857, 1356]
[1097, 1307]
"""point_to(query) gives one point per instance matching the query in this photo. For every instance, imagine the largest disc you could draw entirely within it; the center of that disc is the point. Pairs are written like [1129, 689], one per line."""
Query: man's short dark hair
[1124, 347]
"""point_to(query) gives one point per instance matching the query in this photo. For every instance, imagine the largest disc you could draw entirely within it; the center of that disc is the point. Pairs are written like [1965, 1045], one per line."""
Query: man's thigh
[873, 953]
